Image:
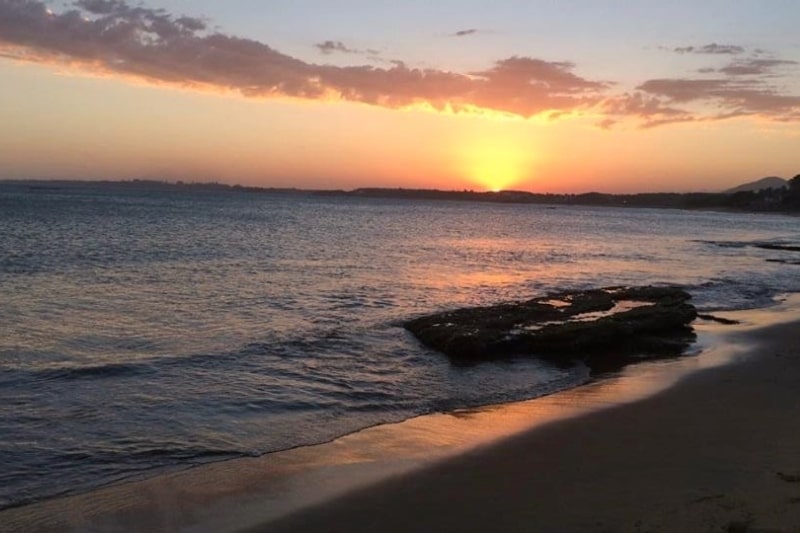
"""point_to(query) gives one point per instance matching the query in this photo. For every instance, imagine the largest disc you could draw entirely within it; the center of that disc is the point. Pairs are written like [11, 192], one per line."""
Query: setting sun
[270, 231]
[497, 165]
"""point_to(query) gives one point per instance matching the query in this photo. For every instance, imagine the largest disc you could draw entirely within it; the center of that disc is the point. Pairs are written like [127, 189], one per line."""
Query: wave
[123, 464]
[15, 377]
[320, 342]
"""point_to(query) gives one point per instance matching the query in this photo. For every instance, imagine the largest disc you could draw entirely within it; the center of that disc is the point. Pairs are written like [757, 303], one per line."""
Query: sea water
[146, 331]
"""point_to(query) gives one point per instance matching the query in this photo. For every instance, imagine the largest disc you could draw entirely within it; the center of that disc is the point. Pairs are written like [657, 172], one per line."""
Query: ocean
[148, 331]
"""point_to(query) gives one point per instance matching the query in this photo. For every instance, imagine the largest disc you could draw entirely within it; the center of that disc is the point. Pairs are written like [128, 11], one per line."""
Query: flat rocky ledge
[607, 328]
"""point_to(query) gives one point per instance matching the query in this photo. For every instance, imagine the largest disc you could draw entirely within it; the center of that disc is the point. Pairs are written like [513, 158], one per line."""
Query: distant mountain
[771, 182]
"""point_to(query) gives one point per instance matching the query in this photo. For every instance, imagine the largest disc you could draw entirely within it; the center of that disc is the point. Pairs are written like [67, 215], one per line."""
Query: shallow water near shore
[149, 332]
[250, 492]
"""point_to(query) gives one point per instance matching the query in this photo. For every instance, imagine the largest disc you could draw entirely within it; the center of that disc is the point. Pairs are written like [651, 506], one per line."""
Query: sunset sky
[545, 96]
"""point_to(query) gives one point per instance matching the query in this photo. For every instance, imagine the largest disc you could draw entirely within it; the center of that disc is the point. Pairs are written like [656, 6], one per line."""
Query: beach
[705, 442]
[399, 266]
[716, 452]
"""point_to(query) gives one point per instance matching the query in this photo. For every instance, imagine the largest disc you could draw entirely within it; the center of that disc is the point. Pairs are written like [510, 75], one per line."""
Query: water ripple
[144, 331]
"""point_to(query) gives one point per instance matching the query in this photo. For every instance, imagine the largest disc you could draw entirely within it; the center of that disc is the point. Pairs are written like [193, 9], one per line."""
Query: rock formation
[604, 327]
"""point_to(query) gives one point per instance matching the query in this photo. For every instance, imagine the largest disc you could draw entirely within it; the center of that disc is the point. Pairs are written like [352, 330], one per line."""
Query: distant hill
[771, 182]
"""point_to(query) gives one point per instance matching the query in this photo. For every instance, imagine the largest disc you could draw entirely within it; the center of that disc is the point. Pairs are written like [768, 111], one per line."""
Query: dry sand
[719, 451]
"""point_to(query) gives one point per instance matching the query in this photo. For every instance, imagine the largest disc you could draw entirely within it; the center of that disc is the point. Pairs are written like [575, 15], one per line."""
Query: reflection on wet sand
[245, 492]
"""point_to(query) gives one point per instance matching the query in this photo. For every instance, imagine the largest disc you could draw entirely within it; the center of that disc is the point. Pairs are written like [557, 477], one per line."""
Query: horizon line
[254, 188]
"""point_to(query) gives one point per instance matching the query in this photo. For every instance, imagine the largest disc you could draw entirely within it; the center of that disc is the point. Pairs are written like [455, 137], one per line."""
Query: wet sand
[708, 442]
[719, 451]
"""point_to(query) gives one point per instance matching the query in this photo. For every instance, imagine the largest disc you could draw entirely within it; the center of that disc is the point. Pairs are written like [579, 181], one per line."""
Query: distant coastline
[768, 200]
[144, 185]
[780, 199]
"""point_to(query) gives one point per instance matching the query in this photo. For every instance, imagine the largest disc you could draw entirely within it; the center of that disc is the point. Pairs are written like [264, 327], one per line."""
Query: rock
[599, 326]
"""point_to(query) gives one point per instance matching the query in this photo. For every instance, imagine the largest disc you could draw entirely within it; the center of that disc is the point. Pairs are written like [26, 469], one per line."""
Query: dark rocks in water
[605, 327]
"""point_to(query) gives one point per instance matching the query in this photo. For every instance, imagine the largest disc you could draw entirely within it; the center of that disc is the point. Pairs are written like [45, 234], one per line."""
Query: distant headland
[779, 199]
[767, 194]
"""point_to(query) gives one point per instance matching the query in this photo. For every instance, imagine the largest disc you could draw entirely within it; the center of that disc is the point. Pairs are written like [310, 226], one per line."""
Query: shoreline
[715, 452]
[288, 489]
[720, 200]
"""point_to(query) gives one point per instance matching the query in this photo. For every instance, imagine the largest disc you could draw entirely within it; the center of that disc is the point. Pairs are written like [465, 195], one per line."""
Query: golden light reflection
[497, 165]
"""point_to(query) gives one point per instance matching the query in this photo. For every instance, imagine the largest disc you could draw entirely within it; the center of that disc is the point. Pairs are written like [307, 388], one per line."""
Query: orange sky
[526, 124]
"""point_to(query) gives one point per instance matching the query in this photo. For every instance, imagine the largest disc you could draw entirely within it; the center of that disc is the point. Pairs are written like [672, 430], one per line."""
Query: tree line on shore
[780, 199]
[769, 199]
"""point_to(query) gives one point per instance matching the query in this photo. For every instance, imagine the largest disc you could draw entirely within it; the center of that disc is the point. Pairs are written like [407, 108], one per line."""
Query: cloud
[683, 90]
[114, 37]
[748, 86]
[464, 33]
[754, 67]
[731, 97]
[650, 110]
[713, 48]
[524, 72]
[329, 47]
[528, 86]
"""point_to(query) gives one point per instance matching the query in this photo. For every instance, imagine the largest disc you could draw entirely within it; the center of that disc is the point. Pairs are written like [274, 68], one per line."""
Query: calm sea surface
[148, 331]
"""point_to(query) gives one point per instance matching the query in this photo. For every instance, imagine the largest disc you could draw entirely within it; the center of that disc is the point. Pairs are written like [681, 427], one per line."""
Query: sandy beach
[454, 266]
[716, 452]
[706, 442]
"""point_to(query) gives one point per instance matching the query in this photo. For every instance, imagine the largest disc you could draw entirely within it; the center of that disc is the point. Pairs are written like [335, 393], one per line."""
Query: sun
[495, 174]
[496, 166]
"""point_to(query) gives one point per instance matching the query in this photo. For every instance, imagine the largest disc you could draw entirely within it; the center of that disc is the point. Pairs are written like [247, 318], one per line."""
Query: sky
[543, 96]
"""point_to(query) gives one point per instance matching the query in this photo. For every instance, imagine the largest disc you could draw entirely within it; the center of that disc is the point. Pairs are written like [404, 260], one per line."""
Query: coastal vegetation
[743, 198]
[768, 199]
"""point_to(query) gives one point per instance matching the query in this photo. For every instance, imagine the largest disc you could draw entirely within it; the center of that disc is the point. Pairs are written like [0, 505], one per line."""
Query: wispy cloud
[744, 87]
[464, 33]
[713, 48]
[115, 37]
[733, 97]
[330, 47]
[754, 67]
[649, 110]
